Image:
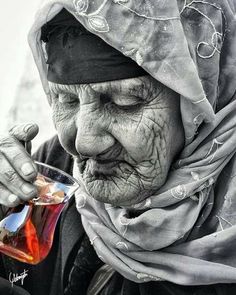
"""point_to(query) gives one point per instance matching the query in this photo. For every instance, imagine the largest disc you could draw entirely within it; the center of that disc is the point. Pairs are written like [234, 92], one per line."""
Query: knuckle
[19, 157]
[13, 128]
[17, 129]
[5, 141]
[10, 175]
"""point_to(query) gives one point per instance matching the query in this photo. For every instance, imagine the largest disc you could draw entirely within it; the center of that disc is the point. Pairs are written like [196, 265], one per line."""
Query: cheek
[64, 121]
[144, 136]
[133, 134]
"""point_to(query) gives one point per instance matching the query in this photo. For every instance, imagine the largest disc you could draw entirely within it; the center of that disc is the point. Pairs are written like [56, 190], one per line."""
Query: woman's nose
[92, 138]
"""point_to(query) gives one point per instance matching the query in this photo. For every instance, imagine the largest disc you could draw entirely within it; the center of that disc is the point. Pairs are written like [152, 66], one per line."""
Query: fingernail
[28, 127]
[27, 189]
[12, 198]
[27, 169]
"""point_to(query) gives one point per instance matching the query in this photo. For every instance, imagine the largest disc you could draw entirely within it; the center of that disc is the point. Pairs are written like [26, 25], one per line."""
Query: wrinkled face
[124, 135]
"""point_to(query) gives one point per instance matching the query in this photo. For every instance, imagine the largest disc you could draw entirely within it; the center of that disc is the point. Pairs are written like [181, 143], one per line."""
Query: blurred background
[21, 95]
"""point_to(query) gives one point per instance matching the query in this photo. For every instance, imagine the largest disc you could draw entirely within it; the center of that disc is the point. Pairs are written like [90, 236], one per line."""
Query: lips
[104, 167]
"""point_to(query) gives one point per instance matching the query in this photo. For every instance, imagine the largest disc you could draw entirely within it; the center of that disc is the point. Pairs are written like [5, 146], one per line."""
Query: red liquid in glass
[32, 242]
[26, 233]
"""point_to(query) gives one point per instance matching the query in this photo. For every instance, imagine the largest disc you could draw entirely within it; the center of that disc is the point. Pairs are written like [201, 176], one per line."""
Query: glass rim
[58, 170]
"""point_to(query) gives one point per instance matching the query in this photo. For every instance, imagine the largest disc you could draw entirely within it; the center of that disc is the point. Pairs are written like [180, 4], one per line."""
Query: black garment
[6, 288]
[72, 261]
[86, 263]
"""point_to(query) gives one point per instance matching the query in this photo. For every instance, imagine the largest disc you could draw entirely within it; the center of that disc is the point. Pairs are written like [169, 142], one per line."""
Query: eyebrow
[61, 88]
[120, 87]
[110, 86]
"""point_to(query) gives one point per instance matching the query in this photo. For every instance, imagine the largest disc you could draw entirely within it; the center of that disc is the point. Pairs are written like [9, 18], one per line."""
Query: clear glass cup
[26, 231]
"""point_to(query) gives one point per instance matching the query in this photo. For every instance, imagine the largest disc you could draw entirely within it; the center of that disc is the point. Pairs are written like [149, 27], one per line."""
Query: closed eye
[122, 101]
[68, 98]
[128, 104]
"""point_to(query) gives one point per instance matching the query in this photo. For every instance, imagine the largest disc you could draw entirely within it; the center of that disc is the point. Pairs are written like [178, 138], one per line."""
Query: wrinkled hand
[17, 169]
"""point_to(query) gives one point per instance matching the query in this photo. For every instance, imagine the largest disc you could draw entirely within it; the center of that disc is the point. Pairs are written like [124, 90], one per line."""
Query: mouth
[101, 169]
[109, 180]
[105, 169]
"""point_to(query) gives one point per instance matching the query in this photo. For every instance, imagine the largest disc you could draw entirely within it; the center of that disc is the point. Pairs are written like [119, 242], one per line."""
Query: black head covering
[76, 56]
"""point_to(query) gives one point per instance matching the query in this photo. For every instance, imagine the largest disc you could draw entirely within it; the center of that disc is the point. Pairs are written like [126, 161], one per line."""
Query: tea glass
[27, 231]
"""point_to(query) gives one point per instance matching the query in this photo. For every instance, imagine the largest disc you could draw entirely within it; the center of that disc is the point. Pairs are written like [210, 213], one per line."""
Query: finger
[16, 155]
[28, 146]
[14, 183]
[24, 132]
[7, 198]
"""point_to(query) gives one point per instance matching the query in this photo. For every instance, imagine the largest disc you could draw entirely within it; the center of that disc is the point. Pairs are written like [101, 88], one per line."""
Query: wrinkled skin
[17, 169]
[123, 134]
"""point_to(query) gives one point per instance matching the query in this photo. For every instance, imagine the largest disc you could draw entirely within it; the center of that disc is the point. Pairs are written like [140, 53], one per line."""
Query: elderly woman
[143, 100]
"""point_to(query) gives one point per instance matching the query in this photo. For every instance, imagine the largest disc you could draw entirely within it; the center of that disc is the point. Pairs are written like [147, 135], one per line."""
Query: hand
[17, 169]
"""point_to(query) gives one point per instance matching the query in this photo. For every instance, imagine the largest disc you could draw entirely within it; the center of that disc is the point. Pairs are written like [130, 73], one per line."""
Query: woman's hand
[17, 169]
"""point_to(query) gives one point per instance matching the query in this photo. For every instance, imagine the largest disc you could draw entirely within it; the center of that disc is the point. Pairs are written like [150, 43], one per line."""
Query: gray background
[21, 95]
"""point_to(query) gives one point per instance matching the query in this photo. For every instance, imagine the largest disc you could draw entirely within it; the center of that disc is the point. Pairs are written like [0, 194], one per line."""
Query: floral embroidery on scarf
[81, 6]
[214, 147]
[122, 246]
[216, 38]
[195, 176]
[179, 192]
[82, 202]
[96, 22]
[122, 3]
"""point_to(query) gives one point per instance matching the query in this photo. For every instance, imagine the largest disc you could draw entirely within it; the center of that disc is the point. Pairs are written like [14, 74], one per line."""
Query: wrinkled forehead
[140, 87]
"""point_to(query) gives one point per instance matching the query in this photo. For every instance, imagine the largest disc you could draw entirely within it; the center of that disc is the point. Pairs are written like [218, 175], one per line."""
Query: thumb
[24, 132]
